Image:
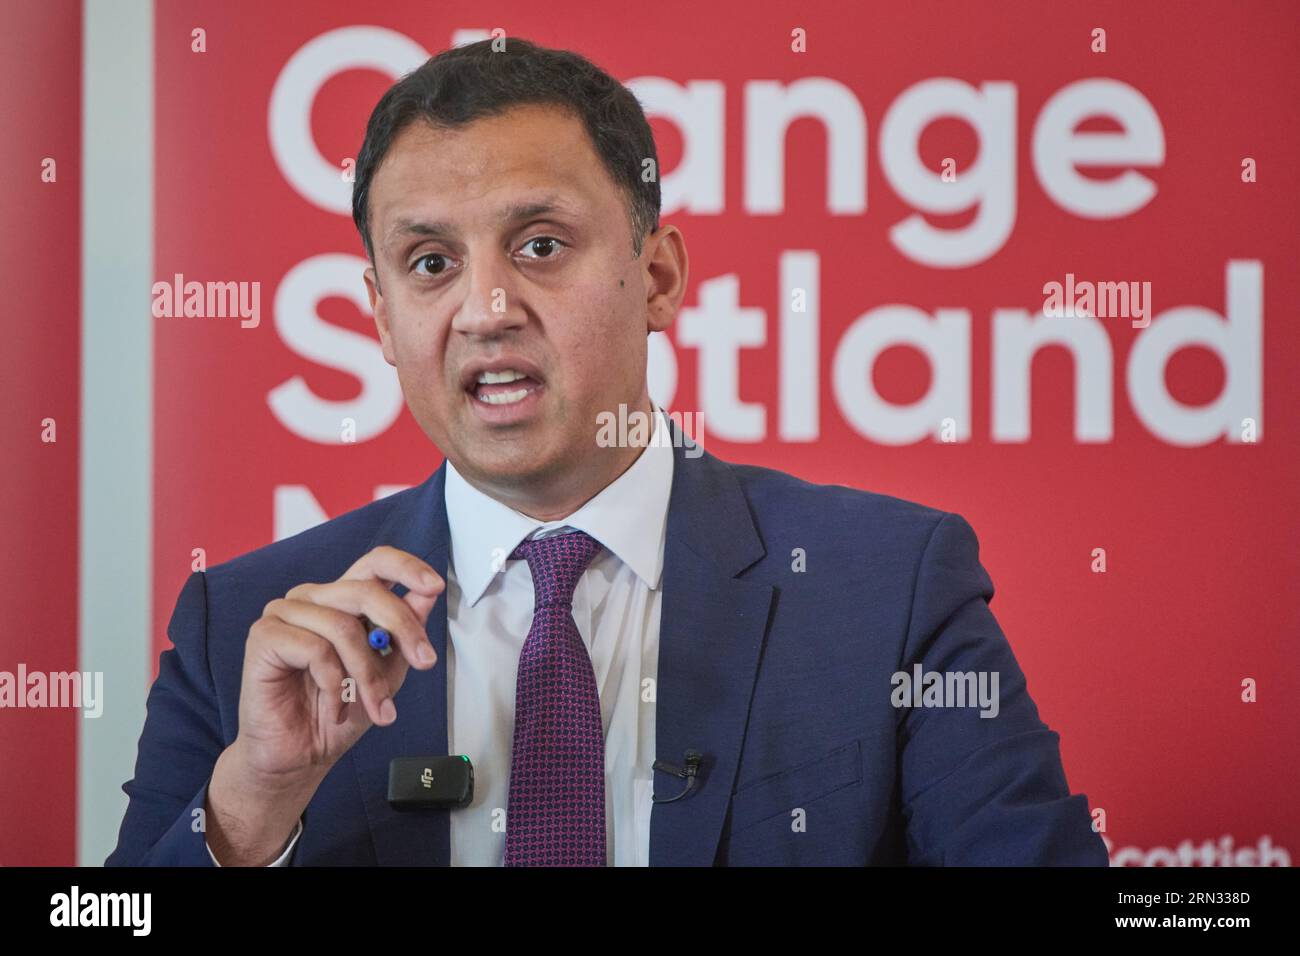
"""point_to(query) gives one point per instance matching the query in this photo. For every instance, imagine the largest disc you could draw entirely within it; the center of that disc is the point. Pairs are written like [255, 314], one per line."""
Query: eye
[547, 246]
[425, 258]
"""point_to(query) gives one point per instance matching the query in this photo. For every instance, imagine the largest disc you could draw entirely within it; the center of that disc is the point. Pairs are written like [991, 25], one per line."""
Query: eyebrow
[513, 213]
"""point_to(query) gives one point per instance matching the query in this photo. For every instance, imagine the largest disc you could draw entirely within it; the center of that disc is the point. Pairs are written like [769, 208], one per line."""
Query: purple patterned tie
[556, 810]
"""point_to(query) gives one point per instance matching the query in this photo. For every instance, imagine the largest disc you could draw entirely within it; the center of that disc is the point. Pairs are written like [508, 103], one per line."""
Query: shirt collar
[629, 516]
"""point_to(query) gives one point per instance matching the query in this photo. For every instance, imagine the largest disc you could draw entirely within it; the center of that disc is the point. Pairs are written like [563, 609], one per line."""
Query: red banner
[804, 154]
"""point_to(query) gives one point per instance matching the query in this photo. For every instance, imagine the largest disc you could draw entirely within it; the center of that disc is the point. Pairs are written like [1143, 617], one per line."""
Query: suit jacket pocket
[797, 787]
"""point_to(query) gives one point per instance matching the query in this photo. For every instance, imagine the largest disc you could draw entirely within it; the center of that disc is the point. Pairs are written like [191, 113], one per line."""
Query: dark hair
[469, 82]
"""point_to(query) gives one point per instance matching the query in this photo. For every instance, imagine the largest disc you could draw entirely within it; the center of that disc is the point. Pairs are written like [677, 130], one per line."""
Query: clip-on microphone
[689, 772]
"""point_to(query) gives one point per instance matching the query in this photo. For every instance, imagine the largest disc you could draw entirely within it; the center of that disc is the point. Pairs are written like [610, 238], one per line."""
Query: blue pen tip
[379, 638]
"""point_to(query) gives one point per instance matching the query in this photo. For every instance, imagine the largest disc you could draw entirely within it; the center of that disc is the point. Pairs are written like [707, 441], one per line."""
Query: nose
[491, 305]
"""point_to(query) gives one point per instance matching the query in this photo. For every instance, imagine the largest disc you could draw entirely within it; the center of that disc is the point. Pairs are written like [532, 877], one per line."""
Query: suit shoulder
[772, 491]
[875, 540]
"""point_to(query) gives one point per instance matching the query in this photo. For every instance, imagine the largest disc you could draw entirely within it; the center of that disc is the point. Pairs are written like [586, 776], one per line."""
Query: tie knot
[557, 562]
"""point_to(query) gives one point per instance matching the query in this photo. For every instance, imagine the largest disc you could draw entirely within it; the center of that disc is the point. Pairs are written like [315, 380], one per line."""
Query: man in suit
[650, 655]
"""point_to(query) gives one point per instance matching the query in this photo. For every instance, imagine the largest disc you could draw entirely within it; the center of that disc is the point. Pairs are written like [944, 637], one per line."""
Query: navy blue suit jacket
[780, 677]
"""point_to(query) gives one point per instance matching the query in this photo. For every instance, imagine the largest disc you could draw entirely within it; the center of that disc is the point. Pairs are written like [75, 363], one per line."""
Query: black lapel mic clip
[690, 773]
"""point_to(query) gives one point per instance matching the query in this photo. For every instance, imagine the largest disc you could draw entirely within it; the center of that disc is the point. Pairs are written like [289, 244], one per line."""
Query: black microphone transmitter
[430, 783]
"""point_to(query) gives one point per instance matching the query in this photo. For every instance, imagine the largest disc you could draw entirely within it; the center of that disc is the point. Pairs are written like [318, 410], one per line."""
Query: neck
[568, 492]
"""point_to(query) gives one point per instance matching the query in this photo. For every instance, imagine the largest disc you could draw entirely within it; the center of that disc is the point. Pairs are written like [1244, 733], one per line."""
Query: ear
[380, 311]
[667, 269]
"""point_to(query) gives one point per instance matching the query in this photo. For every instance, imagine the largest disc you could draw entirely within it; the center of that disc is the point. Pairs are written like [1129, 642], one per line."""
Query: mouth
[508, 394]
[504, 393]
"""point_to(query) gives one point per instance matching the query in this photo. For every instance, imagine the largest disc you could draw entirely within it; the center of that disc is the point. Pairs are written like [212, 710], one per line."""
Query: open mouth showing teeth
[503, 388]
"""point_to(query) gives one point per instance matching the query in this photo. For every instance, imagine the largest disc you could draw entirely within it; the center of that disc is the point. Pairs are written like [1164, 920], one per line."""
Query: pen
[378, 638]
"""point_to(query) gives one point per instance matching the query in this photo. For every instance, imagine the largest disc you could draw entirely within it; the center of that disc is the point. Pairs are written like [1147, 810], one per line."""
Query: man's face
[506, 242]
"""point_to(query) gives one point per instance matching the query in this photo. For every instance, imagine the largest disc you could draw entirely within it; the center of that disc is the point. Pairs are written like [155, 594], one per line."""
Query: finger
[376, 679]
[297, 648]
[382, 606]
[421, 604]
[396, 566]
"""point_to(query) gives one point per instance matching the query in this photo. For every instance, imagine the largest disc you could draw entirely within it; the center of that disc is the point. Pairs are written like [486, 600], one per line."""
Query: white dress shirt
[616, 606]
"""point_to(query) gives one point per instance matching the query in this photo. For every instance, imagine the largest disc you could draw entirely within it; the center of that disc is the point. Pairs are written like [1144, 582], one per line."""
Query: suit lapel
[417, 524]
[712, 627]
